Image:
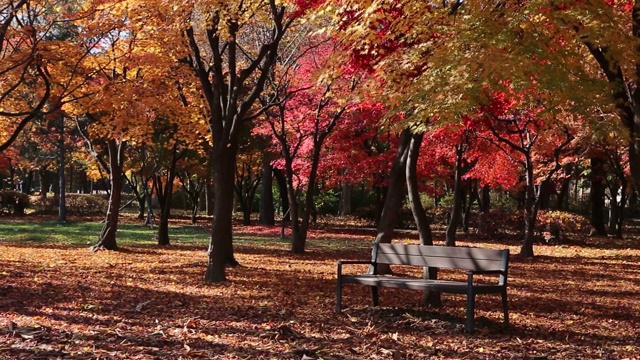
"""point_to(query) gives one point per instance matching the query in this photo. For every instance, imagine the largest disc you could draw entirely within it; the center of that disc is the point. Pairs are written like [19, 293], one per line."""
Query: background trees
[478, 104]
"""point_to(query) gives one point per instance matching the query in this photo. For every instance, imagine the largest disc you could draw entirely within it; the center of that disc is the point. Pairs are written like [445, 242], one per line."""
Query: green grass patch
[86, 233]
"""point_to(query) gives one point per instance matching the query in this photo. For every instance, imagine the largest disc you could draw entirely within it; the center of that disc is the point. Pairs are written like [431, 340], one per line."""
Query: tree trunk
[299, 242]
[267, 211]
[530, 210]
[431, 298]
[220, 252]
[395, 191]
[545, 194]
[345, 198]
[284, 194]
[596, 198]
[419, 214]
[164, 194]
[28, 183]
[394, 196]
[563, 194]
[613, 210]
[623, 201]
[456, 208]
[470, 196]
[62, 195]
[210, 197]
[107, 238]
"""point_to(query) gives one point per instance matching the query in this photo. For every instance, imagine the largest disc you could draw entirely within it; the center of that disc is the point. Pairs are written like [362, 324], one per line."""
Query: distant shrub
[13, 202]
[556, 225]
[77, 204]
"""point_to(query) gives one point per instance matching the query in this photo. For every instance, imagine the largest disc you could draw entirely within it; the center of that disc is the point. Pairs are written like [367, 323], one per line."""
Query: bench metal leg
[374, 296]
[505, 308]
[471, 303]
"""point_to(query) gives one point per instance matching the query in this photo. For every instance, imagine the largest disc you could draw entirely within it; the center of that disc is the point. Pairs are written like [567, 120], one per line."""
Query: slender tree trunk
[267, 210]
[596, 198]
[284, 194]
[107, 238]
[395, 191]
[164, 194]
[623, 201]
[530, 210]
[62, 196]
[431, 298]
[456, 208]
[165, 214]
[44, 184]
[299, 242]
[420, 216]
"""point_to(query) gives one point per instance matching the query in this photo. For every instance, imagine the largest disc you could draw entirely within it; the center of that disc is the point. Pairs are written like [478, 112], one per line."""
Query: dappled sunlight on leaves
[575, 301]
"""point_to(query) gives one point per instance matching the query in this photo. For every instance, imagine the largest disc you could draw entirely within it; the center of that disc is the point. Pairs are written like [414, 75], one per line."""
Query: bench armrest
[351, 262]
[470, 274]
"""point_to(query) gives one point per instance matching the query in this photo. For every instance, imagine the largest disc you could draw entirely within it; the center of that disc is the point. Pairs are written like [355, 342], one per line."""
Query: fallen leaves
[573, 302]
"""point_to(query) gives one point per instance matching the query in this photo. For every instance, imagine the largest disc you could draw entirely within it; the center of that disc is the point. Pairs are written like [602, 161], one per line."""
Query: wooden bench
[475, 260]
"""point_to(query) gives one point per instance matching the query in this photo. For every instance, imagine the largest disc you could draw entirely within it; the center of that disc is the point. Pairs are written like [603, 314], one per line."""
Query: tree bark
[596, 198]
[220, 252]
[430, 298]
[164, 194]
[62, 194]
[284, 197]
[107, 238]
[395, 191]
[456, 207]
[345, 198]
[530, 209]
[267, 210]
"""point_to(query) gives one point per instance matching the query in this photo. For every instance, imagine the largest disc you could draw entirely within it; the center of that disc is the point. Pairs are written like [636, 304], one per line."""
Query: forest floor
[62, 301]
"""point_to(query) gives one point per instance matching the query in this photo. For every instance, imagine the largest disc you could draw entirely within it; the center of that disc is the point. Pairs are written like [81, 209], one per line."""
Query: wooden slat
[440, 256]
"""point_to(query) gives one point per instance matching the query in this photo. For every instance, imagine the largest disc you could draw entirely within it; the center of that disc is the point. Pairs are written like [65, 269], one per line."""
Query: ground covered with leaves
[577, 301]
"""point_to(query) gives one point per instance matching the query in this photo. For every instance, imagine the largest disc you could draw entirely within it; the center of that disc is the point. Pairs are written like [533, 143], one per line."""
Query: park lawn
[60, 300]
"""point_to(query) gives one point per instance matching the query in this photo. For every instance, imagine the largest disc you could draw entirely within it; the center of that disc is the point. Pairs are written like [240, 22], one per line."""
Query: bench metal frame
[476, 261]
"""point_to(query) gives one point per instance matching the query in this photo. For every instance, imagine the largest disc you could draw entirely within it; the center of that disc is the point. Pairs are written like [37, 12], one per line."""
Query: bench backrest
[441, 256]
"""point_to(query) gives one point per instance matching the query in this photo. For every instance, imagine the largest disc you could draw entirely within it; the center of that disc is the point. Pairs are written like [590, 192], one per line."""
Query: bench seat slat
[449, 286]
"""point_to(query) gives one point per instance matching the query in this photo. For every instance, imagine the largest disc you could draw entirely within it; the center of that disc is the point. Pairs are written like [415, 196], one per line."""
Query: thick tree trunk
[596, 198]
[267, 210]
[107, 238]
[484, 204]
[456, 207]
[545, 194]
[345, 198]
[220, 252]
